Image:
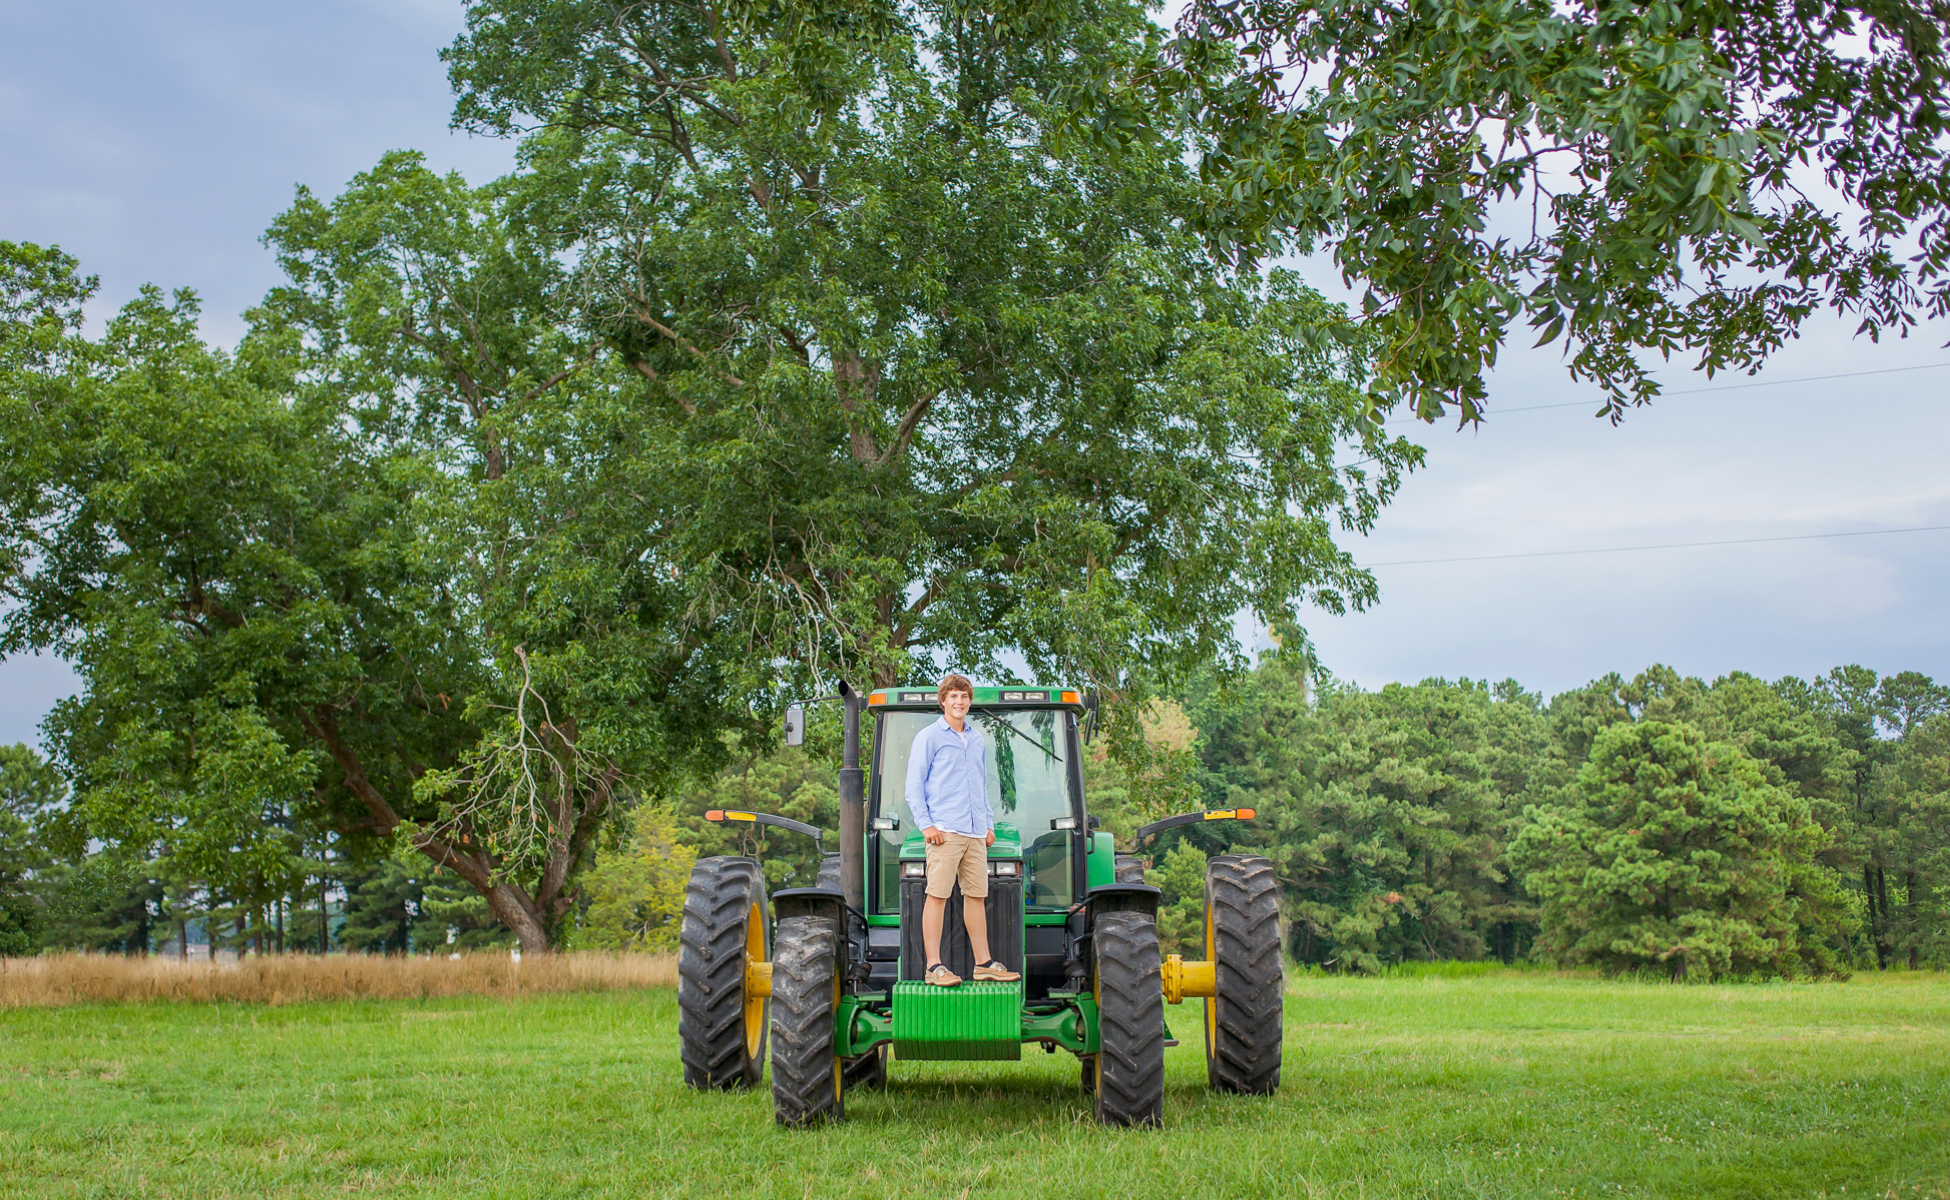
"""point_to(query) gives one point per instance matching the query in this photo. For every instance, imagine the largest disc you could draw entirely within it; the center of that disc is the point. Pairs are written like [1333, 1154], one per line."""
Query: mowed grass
[1499, 1085]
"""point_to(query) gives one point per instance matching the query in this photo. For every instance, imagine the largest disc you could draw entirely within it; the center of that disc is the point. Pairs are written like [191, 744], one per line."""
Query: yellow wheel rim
[1212, 1001]
[754, 1005]
[839, 1065]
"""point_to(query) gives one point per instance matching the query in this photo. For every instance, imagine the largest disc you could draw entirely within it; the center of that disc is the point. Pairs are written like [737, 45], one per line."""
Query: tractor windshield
[1028, 788]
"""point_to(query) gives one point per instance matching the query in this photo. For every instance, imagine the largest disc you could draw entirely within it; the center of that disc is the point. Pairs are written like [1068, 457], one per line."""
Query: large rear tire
[829, 872]
[1129, 868]
[1130, 1020]
[807, 1076]
[1242, 939]
[721, 1030]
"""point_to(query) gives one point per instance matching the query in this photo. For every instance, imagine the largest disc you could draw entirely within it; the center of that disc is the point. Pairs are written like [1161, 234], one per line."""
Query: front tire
[1243, 1022]
[721, 1030]
[807, 1076]
[1130, 1020]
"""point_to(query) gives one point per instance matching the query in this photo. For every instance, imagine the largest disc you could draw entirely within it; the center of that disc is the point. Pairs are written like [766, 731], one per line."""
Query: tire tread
[711, 973]
[1130, 1019]
[1242, 894]
[804, 965]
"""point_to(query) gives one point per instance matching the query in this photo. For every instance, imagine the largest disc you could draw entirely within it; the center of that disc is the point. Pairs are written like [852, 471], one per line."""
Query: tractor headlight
[917, 869]
[1005, 867]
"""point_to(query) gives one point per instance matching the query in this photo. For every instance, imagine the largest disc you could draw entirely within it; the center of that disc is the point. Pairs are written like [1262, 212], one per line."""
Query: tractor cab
[831, 976]
[1044, 848]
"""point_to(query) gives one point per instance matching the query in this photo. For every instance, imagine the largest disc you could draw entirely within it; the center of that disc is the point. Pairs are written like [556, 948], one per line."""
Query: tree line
[1662, 823]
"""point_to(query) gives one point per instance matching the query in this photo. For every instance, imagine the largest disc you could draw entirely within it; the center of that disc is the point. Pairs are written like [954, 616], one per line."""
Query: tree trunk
[1884, 943]
[508, 907]
[1875, 921]
[1915, 926]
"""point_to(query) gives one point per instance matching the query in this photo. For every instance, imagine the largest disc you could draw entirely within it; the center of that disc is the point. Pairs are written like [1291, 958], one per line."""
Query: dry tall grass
[58, 979]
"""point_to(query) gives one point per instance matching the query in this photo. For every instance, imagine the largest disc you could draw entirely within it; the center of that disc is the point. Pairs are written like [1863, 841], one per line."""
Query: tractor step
[971, 1021]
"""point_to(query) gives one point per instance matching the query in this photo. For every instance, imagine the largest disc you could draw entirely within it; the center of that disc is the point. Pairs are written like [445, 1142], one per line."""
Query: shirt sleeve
[917, 774]
[987, 804]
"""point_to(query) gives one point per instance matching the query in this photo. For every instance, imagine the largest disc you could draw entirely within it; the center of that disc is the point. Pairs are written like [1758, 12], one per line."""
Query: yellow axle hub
[1182, 979]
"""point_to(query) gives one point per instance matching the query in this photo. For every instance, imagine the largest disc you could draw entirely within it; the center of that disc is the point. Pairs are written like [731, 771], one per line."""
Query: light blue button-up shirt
[948, 780]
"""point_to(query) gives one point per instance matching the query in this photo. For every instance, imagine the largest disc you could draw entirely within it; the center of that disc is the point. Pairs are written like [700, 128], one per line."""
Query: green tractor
[830, 975]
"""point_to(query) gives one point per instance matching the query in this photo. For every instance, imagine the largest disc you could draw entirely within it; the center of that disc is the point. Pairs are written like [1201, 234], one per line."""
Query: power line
[1796, 537]
[1729, 387]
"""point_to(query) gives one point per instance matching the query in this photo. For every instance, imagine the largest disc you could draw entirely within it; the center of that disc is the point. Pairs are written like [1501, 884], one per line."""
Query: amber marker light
[877, 698]
[1072, 698]
[716, 814]
[1247, 814]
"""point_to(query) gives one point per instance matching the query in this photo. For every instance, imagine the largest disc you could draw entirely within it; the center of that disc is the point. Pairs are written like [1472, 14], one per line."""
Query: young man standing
[948, 793]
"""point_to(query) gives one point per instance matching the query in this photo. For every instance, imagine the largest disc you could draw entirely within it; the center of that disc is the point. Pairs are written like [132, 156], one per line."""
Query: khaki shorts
[961, 858]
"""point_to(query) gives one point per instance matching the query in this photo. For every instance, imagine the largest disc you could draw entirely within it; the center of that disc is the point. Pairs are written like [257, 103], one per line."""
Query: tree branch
[643, 314]
[904, 433]
[323, 725]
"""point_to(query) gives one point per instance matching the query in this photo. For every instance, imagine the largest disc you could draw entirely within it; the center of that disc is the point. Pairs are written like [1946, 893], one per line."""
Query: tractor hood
[1008, 843]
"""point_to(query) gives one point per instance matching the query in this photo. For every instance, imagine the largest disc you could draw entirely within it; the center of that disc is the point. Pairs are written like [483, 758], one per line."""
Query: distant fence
[58, 979]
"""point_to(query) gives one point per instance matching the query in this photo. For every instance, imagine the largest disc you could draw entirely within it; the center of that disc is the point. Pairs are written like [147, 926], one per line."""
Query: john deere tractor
[828, 978]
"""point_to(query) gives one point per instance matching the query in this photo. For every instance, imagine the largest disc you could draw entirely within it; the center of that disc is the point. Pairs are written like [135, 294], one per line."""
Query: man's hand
[991, 840]
[933, 836]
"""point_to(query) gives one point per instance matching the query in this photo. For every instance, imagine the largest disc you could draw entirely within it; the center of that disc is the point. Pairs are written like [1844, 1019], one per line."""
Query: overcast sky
[156, 142]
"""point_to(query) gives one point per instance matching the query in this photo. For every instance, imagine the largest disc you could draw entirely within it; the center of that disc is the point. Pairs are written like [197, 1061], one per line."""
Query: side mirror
[795, 725]
[1089, 716]
[1096, 822]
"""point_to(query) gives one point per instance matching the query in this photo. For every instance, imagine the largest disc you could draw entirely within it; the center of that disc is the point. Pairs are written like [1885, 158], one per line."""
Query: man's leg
[974, 910]
[944, 862]
[931, 914]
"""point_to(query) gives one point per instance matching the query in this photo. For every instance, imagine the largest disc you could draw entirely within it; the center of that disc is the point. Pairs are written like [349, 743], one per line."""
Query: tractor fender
[1118, 897]
[1107, 898]
[810, 902]
[829, 903]
[1110, 897]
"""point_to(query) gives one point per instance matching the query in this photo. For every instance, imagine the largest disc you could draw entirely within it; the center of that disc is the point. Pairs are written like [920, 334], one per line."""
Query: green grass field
[1498, 1085]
